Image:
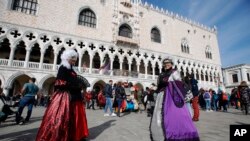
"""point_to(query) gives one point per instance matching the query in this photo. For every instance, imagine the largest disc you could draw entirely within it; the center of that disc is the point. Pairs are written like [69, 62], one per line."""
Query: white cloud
[203, 10]
[224, 11]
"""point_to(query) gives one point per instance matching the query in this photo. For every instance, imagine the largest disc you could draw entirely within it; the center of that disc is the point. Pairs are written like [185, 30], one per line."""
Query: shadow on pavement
[97, 130]
[235, 112]
[125, 113]
[26, 135]
[12, 122]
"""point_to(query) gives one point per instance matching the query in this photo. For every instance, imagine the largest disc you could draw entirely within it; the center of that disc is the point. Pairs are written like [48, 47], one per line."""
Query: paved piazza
[213, 126]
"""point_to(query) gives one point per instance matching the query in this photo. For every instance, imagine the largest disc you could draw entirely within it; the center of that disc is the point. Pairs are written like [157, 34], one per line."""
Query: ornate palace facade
[136, 36]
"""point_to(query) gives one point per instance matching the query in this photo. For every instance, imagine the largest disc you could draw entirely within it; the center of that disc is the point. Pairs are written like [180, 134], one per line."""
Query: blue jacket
[108, 91]
[195, 89]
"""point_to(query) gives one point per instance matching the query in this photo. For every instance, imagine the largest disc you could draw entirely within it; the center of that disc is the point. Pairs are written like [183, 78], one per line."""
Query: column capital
[28, 49]
[42, 51]
[80, 53]
[56, 52]
[111, 59]
[153, 65]
[129, 62]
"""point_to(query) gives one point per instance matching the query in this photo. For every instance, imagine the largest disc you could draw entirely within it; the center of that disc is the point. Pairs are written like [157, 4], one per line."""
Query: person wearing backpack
[223, 100]
[245, 96]
[207, 98]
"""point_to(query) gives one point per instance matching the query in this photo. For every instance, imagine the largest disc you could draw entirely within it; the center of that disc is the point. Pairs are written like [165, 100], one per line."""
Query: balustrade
[33, 65]
[18, 64]
[4, 62]
[49, 67]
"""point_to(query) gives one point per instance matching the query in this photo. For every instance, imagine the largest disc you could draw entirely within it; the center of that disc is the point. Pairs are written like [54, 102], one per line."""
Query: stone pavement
[213, 126]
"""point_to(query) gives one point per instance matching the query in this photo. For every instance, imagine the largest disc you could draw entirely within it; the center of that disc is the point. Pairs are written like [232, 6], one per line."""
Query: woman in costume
[171, 119]
[65, 118]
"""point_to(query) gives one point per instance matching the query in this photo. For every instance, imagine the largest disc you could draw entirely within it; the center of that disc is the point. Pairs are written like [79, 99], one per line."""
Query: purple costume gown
[171, 120]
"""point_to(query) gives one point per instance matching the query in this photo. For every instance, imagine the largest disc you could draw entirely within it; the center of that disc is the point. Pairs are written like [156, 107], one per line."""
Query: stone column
[160, 69]
[101, 64]
[111, 67]
[146, 70]
[185, 72]
[12, 53]
[199, 73]
[121, 63]
[121, 72]
[55, 60]
[153, 67]
[80, 63]
[213, 81]
[195, 75]
[138, 68]
[90, 63]
[208, 75]
[41, 59]
[27, 57]
[129, 66]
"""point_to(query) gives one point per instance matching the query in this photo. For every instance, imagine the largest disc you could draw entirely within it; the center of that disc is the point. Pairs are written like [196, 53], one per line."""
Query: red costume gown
[65, 118]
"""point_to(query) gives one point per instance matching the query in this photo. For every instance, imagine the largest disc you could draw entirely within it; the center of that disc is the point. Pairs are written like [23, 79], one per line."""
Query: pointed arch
[155, 35]
[35, 53]
[125, 30]
[5, 48]
[87, 18]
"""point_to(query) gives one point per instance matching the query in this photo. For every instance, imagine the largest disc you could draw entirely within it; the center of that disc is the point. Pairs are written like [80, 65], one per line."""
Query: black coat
[66, 80]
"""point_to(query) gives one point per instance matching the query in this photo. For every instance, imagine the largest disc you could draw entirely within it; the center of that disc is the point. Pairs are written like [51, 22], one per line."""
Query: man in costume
[65, 118]
[171, 119]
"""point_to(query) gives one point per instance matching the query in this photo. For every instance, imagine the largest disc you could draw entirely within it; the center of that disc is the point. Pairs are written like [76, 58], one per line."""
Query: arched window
[155, 35]
[184, 46]
[87, 18]
[25, 6]
[125, 31]
[208, 52]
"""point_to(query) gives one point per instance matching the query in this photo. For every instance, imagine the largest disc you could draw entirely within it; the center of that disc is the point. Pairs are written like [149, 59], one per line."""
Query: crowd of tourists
[239, 98]
[172, 103]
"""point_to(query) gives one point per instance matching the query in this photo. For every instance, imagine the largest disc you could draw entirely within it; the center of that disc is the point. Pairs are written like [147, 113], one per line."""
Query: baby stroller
[5, 110]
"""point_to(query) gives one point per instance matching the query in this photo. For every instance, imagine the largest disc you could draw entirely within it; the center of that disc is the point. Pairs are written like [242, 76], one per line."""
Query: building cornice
[237, 67]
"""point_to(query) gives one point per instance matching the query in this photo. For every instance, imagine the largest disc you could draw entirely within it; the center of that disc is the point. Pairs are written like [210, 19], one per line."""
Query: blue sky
[231, 17]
